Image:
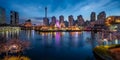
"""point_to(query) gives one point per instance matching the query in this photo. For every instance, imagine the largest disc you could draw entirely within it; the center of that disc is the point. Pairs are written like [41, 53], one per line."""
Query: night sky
[35, 8]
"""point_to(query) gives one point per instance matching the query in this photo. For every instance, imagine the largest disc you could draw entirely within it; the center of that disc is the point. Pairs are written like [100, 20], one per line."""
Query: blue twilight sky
[35, 8]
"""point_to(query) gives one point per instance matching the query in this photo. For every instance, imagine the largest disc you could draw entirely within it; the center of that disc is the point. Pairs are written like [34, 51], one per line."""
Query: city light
[16, 58]
[59, 30]
[14, 46]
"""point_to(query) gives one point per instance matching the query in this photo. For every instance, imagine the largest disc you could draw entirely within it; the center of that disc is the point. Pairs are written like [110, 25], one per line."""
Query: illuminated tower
[14, 18]
[80, 20]
[101, 18]
[45, 19]
[53, 21]
[71, 20]
[93, 16]
[2, 15]
[46, 12]
[61, 19]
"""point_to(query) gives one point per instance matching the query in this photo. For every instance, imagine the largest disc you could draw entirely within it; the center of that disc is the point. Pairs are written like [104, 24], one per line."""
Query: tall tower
[71, 20]
[93, 16]
[2, 15]
[14, 18]
[101, 17]
[80, 20]
[61, 19]
[46, 12]
[45, 19]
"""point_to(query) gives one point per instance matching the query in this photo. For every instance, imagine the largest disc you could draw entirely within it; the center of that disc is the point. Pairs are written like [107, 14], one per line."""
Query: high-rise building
[80, 20]
[54, 19]
[46, 21]
[92, 16]
[14, 18]
[53, 22]
[87, 23]
[71, 20]
[61, 19]
[101, 15]
[101, 18]
[2, 16]
[66, 23]
[46, 12]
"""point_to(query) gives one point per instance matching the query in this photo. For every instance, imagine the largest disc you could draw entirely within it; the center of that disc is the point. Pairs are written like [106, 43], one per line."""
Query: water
[56, 45]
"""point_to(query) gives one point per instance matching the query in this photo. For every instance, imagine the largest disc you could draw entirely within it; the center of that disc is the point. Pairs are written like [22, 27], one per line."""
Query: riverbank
[67, 30]
[111, 52]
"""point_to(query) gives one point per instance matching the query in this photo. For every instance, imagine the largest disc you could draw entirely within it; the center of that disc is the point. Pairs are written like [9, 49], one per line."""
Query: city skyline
[28, 9]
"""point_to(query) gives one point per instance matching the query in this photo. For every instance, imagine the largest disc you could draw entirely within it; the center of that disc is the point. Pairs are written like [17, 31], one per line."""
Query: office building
[71, 20]
[80, 20]
[93, 16]
[101, 18]
[53, 21]
[45, 21]
[14, 18]
[2, 16]
[61, 19]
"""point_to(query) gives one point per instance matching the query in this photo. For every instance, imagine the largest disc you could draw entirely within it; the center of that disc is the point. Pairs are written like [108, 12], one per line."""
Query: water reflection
[62, 39]
[11, 46]
[10, 34]
[61, 45]
[73, 45]
[105, 38]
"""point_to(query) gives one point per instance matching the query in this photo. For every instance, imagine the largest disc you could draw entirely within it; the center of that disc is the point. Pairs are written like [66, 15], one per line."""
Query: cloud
[64, 7]
[28, 10]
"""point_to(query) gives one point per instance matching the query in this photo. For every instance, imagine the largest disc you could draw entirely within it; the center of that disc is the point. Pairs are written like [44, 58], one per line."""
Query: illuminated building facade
[80, 20]
[46, 12]
[61, 19]
[93, 16]
[14, 18]
[45, 21]
[71, 20]
[101, 18]
[53, 21]
[2, 15]
[113, 22]
[28, 23]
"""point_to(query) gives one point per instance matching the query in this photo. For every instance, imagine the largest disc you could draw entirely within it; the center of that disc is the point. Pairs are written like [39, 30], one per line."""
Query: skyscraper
[46, 21]
[80, 20]
[92, 16]
[71, 20]
[101, 15]
[53, 21]
[2, 15]
[14, 18]
[46, 12]
[101, 18]
[61, 19]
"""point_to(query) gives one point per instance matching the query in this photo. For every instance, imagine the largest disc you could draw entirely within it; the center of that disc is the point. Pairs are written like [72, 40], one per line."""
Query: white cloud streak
[84, 8]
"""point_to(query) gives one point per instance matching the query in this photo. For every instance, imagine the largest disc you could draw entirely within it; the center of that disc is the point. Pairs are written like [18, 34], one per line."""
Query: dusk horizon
[35, 8]
[59, 29]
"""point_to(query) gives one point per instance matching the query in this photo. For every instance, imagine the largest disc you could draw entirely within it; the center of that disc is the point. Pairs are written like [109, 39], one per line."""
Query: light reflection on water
[58, 45]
